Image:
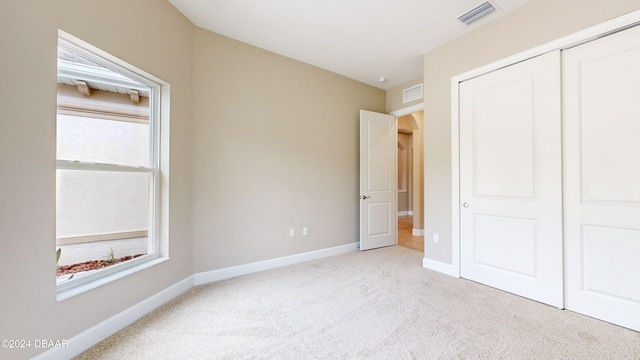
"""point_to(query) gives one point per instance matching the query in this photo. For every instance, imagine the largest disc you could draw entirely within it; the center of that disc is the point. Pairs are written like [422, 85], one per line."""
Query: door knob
[466, 205]
[364, 197]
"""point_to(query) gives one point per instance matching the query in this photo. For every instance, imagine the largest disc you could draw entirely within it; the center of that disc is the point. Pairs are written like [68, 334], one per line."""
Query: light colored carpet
[378, 304]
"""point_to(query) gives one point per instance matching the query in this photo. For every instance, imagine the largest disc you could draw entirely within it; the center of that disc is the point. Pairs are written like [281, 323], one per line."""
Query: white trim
[110, 326]
[440, 267]
[417, 232]
[408, 110]
[107, 275]
[580, 37]
[230, 272]
[455, 180]
[158, 167]
[403, 213]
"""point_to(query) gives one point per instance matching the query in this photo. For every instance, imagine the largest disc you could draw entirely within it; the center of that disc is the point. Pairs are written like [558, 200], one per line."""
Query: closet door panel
[510, 179]
[602, 178]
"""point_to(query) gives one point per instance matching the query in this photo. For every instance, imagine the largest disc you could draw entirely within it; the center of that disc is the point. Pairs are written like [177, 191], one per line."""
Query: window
[108, 150]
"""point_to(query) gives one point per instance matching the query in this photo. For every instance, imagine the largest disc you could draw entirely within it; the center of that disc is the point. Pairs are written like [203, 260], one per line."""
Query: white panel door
[378, 189]
[602, 178]
[510, 179]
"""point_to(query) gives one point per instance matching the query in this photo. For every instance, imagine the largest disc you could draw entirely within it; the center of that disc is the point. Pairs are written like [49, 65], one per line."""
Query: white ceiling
[360, 39]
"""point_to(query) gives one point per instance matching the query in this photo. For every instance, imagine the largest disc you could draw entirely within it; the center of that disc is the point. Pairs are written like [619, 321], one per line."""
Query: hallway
[405, 237]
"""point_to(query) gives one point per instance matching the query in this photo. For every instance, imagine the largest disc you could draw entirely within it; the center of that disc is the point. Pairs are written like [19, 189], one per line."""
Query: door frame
[403, 112]
[580, 37]
[408, 110]
[398, 113]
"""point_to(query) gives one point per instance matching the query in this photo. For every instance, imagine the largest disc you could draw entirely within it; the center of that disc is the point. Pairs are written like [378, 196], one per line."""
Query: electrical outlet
[436, 238]
[305, 231]
[292, 232]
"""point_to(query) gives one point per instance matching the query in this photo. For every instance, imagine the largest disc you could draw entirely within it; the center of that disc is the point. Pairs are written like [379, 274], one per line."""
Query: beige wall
[275, 146]
[534, 24]
[259, 143]
[405, 167]
[418, 171]
[149, 34]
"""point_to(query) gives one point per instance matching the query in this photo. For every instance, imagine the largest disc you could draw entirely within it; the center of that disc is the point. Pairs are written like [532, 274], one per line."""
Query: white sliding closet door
[510, 179]
[602, 178]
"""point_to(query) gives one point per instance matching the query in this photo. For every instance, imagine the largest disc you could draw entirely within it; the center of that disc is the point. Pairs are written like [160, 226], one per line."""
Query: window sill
[80, 289]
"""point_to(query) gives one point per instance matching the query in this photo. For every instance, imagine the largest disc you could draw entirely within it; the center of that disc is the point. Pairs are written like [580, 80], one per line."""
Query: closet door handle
[465, 205]
[364, 197]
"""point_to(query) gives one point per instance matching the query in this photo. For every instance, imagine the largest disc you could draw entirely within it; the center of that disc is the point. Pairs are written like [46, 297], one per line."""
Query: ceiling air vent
[411, 94]
[477, 13]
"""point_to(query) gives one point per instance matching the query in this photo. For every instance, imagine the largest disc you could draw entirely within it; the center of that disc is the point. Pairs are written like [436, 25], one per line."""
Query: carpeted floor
[378, 304]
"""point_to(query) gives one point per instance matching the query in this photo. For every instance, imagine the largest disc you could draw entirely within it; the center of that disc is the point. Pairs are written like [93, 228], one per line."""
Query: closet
[510, 179]
[549, 178]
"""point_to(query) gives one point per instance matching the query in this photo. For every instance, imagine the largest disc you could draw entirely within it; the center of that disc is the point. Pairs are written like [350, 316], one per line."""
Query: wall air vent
[477, 13]
[411, 94]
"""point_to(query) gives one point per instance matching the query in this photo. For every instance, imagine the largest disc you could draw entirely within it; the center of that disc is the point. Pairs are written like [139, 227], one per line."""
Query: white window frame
[158, 169]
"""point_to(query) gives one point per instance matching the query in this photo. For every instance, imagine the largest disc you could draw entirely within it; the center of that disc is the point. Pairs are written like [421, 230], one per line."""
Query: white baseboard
[110, 326]
[438, 266]
[405, 213]
[417, 232]
[230, 272]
